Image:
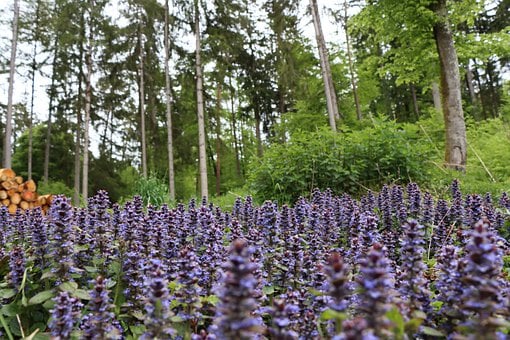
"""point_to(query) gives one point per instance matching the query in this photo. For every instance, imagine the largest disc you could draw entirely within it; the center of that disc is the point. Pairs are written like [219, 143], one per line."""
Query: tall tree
[326, 68]
[141, 94]
[88, 99]
[202, 157]
[168, 97]
[7, 162]
[456, 142]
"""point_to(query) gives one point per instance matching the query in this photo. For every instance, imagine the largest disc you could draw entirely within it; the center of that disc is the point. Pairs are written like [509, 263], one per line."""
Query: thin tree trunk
[456, 141]
[477, 77]
[79, 106]
[32, 76]
[471, 88]
[436, 97]
[258, 134]
[234, 128]
[415, 101]
[354, 84]
[168, 97]
[7, 163]
[326, 70]
[202, 158]
[142, 103]
[88, 99]
[218, 138]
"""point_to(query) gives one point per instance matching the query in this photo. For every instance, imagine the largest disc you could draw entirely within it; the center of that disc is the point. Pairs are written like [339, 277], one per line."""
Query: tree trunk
[326, 70]
[218, 138]
[234, 127]
[202, 158]
[436, 96]
[415, 101]
[88, 99]
[471, 88]
[168, 97]
[7, 163]
[456, 142]
[354, 84]
[142, 103]
[79, 106]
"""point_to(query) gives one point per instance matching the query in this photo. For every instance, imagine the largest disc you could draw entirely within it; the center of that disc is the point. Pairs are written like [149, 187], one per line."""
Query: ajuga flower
[376, 286]
[483, 288]
[157, 318]
[456, 210]
[17, 265]
[413, 284]
[281, 313]
[64, 316]
[99, 323]
[414, 199]
[62, 239]
[337, 274]
[39, 231]
[234, 316]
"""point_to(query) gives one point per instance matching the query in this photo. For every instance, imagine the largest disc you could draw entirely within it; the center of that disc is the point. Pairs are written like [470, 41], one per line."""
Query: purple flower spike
[17, 264]
[337, 273]
[64, 315]
[99, 323]
[158, 305]
[62, 238]
[234, 316]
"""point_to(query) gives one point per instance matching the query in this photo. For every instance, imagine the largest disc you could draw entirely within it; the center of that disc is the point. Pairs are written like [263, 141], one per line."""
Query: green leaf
[69, 286]
[7, 293]
[431, 332]
[48, 304]
[90, 269]
[398, 320]
[11, 309]
[330, 314]
[41, 297]
[268, 290]
[82, 294]
[48, 274]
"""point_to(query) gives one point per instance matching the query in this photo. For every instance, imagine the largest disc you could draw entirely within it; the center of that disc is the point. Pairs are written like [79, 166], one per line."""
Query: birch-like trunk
[202, 156]
[456, 141]
[218, 138]
[326, 70]
[168, 97]
[436, 96]
[354, 84]
[88, 99]
[142, 102]
[7, 163]
[32, 96]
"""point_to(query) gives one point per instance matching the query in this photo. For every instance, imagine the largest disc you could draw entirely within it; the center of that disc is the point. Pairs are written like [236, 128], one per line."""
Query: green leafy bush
[153, 190]
[348, 162]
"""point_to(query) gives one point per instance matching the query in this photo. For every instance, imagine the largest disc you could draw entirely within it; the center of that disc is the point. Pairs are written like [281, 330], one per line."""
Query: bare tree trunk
[218, 138]
[234, 127]
[168, 97]
[202, 157]
[456, 141]
[471, 88]
[436, 96]
[415, 101]
[88, 98]
[7, 163]
[142, 103]
[354, 84]
[326, 70]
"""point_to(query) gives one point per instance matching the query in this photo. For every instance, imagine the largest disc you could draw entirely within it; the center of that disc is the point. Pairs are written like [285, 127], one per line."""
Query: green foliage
[54, 188]
[152, 189]
[348, 162]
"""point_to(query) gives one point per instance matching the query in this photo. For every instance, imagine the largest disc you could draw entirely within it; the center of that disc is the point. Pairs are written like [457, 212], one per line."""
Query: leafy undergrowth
[397, 264]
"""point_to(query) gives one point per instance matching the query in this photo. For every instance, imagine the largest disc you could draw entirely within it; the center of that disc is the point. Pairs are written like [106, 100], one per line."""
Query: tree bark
[415, 101]
[202, 157]
[52, 95]
[325, 67]
[88, 99]
[218, 138]
[354, 84]
[456, 141]
[471, 88]
[234, 127]
[7, 163]
[79, 106]
[142, 102]
[168, 97]
[32, 76]
[436, 97]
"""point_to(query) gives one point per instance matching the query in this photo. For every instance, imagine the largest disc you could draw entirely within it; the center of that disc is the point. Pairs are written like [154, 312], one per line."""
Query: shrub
[347, 162]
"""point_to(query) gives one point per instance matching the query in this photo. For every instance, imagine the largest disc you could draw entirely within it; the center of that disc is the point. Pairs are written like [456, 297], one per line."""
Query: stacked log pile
[15, 193]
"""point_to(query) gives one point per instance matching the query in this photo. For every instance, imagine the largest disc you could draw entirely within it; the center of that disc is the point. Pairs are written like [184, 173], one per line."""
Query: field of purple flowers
[394, 265]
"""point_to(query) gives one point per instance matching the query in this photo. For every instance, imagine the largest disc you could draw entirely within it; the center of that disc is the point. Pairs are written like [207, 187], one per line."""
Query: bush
[54, 188]
[348, 162]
